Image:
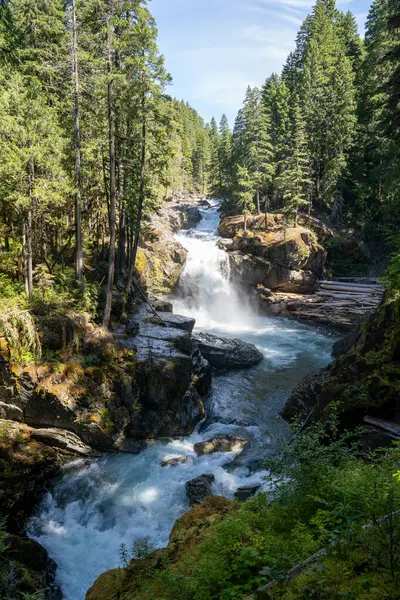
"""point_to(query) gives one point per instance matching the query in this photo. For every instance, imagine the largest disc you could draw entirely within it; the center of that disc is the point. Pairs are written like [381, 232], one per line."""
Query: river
[95, 507]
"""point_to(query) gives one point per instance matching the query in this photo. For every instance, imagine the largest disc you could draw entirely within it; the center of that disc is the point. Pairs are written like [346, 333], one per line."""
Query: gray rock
[226, 353]
[221, 443]
[130, 446]
[203, 372]
[10, 412]
[244, 493]
[60, 438]
[199, 488]
[191, 410]
[174, 461]
[178, 321]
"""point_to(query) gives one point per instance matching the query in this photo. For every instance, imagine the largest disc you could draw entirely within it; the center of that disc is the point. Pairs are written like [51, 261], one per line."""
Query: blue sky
[215, 48]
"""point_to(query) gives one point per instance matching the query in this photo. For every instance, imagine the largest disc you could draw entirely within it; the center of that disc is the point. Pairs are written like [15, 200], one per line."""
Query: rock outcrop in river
[281, 258]
[224, 353]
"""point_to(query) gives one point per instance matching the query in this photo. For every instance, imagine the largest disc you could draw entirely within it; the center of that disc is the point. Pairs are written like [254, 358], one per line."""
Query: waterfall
[205, 290]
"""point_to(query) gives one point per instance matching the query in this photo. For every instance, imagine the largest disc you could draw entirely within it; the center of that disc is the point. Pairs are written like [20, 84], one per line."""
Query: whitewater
[96, 506]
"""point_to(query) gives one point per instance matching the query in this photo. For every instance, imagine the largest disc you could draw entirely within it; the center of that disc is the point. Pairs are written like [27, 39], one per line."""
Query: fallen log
[339, 288]
[343, 295]
[351, 285]
[389, 427]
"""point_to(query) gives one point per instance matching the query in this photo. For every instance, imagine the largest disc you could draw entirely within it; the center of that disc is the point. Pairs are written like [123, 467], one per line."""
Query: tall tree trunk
[25, 256]
[111, 135]
[122, 239]
[258, 202]
[78, 195]
[29, 254]
[141, 198]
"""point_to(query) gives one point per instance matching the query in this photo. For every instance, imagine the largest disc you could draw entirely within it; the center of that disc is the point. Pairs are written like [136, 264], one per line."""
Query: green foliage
[18, 327]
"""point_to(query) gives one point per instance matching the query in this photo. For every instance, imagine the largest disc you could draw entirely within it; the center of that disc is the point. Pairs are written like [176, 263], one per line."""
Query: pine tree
[258, 147]
[244, 192]
[277, 100]
[215, 167]
[225, 150]
[294, 180]
[328, 97]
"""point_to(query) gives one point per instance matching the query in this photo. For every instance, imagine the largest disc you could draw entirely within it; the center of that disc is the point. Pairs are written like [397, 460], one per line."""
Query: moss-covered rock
[26, 466]
[194, 526]
[365, 379]
[25, 569]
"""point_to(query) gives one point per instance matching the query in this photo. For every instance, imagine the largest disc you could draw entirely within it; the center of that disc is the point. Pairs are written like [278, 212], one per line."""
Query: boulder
[226, 353]
[191, 411]
[60, 438]
[174, 461]
[193, 527]
[198, 489]
[221, 443]
[244, 493]
[177, 321]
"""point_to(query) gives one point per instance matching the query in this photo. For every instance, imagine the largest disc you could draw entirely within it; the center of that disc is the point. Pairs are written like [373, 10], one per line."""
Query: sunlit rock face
[272, 254]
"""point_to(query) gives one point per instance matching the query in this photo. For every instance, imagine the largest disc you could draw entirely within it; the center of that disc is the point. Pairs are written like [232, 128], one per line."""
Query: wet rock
[357, 381]
[221, 443]
[162, 305]
[192, 410]
[244, 493]
[202, 371]
[130, 446]
[158, 340]
[199, 488]
[225, 353]
[305, 395]
[60, 438]
[344, 344]
[178, 321]
[174, 461]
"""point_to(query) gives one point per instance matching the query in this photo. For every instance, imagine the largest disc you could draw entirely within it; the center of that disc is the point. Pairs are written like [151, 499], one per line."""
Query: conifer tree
[215, 167]
[294, 179]
[225, 150]
[328, 97]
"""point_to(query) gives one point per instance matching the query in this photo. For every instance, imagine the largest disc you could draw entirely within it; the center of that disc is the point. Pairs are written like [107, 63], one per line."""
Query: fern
[21, 336]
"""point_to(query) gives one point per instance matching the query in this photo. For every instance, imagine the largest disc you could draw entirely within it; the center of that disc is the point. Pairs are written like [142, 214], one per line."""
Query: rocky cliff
[271, 254]
[364, 378]
[161, 257]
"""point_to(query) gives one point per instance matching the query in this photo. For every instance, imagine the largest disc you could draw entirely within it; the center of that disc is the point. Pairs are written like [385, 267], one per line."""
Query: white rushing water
[95, 507]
